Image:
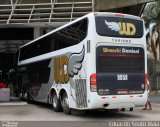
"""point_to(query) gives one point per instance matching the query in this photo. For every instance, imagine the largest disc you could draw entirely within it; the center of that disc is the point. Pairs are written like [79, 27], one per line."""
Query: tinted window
[119, 27]
[120, 59]
[63, 38]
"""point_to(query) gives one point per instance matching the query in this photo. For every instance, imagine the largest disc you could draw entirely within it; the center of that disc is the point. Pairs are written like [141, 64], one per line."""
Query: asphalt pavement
[154, 98]
[20, 114]
[13, 101]
[16, 101]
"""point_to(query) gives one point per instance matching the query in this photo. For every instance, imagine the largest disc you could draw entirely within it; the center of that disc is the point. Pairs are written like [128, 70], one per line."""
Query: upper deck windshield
[119, 27]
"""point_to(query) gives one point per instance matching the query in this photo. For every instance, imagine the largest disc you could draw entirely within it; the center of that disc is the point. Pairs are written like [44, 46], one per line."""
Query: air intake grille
[81, 93]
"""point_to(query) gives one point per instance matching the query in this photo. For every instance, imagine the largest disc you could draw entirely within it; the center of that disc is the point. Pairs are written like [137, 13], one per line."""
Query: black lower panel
[111, 84]
[34, 74]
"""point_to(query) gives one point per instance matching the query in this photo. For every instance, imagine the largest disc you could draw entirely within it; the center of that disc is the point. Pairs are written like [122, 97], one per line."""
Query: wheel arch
[62, 91]
[59, 93]
[52, 91]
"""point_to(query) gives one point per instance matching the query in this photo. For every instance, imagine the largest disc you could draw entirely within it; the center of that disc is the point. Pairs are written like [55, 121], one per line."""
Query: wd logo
[122, 27]
[67, 66]
[127, 28]
[61, 69]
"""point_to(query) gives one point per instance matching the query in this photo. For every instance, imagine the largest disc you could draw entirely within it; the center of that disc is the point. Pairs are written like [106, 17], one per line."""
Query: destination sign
[119, 50]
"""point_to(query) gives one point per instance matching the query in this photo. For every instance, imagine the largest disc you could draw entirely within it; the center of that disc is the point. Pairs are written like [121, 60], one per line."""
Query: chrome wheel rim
[65, 102]
[54, 101]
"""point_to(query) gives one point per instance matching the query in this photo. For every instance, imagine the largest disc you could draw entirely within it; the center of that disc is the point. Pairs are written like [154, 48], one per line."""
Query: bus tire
[123, 109]
[56, 104]
[29, 97]
[131, 109]
[65, 104]
[21, 95]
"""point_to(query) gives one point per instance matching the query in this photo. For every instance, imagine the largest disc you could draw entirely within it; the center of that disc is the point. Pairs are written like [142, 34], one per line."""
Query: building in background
[24, 20]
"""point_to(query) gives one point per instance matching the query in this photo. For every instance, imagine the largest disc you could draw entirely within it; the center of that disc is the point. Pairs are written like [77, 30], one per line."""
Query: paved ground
[34, 112]
[30, 112]
[41, 112]
[155, 98]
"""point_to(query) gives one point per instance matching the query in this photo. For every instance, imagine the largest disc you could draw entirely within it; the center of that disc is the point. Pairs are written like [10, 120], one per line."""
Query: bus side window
[71, 35]
[16, 59]
[53, 42]
[66, 37]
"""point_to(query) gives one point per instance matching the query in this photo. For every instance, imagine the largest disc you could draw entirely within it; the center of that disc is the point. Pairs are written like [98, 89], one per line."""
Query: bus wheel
[123, 109]
[29, 97]
[65, 104]
[21, 95]
[56, 104]
[131, 109]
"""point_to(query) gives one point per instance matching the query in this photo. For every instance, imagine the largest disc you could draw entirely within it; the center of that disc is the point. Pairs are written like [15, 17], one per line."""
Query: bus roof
[117, 15]
[87, 15]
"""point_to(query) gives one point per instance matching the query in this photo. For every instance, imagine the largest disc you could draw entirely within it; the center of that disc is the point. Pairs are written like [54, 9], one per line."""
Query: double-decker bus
[97, 61]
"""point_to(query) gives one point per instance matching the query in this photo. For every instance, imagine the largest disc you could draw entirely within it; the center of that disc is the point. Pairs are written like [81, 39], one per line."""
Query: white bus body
[105, 69]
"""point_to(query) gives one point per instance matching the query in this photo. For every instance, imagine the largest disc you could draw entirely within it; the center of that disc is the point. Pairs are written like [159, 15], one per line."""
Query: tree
[152, 15]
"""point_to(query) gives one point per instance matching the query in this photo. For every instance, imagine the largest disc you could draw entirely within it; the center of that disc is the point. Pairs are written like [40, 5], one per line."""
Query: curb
[12, 103]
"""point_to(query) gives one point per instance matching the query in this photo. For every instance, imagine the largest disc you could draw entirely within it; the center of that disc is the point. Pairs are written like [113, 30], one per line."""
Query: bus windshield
[119, 27]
